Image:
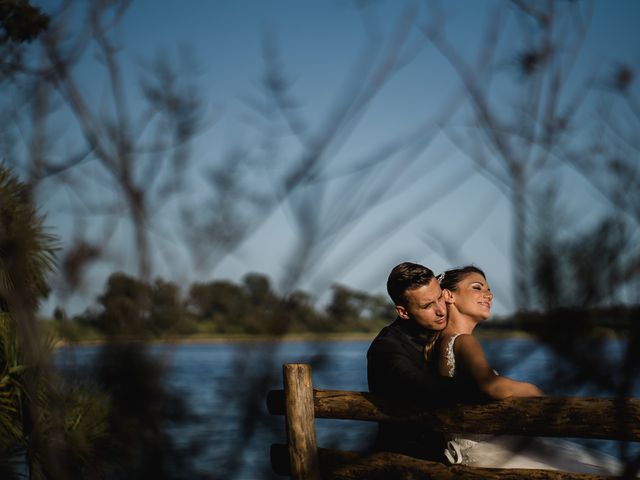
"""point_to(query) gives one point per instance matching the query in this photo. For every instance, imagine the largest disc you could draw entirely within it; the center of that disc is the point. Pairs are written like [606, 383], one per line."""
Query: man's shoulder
[390, 331]
[389, 336]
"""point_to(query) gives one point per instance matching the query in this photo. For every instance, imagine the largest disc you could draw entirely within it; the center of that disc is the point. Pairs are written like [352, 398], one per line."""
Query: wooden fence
[300, 458]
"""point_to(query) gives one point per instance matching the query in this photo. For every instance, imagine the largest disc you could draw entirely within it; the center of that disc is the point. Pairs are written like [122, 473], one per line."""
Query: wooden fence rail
[581, 417]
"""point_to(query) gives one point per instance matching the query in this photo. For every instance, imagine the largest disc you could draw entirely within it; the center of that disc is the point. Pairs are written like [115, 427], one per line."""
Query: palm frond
[27, 250]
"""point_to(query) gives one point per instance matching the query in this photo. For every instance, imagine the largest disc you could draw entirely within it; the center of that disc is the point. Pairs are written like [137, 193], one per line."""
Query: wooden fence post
[301, 429]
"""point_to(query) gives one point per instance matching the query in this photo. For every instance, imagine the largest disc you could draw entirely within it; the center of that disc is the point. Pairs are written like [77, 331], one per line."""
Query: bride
[459, 354]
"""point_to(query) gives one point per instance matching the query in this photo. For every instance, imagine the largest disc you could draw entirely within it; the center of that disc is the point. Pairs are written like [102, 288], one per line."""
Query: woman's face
[473, 296]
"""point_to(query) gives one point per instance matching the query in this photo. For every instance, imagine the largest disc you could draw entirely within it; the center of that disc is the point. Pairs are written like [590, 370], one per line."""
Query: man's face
[425, 306]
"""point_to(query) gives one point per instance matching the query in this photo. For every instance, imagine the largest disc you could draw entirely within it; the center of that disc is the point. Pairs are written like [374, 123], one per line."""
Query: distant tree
[126, 304]
[264, 313]
[197, 302]
[221, 302]
[301, 314]
[355, 310]
[379, 307]
[345, 305]
[59, 314]
[258, 290]
[166, 307]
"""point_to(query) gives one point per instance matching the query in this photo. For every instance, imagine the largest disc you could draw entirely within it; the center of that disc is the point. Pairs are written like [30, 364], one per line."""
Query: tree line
[131, 307]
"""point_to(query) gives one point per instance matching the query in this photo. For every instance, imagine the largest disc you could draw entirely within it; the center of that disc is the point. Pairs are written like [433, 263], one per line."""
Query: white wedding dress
[510, 451]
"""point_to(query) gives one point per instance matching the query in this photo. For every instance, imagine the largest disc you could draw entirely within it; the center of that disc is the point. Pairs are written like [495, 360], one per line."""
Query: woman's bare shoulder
[466, 343]
[444, 340]
[465, 338]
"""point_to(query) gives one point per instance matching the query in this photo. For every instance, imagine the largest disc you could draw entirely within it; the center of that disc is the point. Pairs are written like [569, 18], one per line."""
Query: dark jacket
[396, 367]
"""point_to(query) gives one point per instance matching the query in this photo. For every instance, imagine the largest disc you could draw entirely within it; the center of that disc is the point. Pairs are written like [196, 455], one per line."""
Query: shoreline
[249, 338]
[235, 338]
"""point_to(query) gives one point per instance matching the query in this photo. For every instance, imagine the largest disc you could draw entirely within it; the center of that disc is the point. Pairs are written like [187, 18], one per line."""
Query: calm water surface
[226, 385]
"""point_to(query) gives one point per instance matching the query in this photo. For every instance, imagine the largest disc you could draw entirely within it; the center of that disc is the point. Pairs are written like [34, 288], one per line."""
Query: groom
[396, 362]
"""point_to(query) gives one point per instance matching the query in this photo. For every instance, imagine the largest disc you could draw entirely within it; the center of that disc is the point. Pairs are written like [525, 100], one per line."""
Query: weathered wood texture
[342, 465]
[617, 419]
[583, 417]
[301, 431]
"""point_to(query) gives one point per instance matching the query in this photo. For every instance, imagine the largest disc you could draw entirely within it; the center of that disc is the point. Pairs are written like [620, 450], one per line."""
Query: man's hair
[407, 276]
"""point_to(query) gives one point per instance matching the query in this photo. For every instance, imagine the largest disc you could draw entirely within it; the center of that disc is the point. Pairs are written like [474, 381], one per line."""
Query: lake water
[225, 385]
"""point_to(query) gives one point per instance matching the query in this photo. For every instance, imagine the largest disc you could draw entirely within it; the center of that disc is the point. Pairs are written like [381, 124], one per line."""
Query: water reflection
[221, 382]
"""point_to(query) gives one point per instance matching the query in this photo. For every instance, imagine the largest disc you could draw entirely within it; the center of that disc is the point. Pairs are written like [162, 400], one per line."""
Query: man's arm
[393, 370]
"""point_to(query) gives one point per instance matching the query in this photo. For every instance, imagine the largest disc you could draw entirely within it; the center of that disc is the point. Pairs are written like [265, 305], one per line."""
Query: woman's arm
[471, 360]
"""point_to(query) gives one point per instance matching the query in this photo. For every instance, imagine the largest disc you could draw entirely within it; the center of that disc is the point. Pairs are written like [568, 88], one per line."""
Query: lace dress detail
[458, 449]
[509, 451]
[450, 357]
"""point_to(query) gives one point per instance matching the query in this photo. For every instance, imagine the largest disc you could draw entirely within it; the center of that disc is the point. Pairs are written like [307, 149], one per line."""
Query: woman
[468, 298]
[458, 353]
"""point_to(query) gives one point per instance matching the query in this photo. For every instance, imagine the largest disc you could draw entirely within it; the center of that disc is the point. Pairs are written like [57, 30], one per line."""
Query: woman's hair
[451, 278]
[407, 276]
[428, 347]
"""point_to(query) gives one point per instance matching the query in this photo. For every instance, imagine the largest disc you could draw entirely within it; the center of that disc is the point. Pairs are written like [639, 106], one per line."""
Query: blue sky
[319, 43]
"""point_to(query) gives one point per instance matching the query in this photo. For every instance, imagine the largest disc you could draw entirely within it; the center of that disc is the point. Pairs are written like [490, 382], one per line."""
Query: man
[396, 363]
